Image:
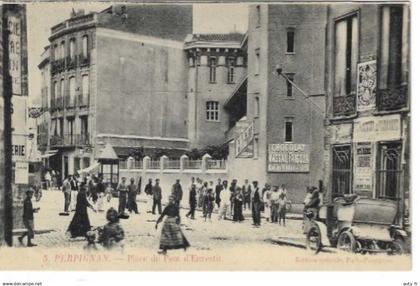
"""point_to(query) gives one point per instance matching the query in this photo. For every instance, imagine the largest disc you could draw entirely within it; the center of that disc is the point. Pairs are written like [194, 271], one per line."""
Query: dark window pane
[289, 132]
[290, 41]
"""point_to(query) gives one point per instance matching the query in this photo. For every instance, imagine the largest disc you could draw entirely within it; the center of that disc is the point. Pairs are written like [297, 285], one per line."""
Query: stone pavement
[140, 228]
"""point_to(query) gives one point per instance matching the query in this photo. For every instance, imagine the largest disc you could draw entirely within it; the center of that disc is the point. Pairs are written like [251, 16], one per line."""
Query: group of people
[51, 179]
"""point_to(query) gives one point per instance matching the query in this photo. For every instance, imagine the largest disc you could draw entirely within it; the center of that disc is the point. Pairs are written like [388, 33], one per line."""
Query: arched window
[85, 46]
[72, 48]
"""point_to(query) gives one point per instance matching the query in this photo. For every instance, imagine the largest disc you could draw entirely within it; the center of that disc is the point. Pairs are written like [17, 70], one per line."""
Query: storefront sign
[288, 158]
[340, 133]
[366, 86]
[373, 129]
[21, 172]
[243, 144]
[15, 65]
[363, 167]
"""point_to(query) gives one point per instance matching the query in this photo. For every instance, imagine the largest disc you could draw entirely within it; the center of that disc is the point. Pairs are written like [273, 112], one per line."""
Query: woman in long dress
[237, 205]
[172, 236]
[80, 223]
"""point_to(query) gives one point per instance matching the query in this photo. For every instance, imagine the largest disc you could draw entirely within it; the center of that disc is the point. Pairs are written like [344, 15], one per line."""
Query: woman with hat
[172, 236]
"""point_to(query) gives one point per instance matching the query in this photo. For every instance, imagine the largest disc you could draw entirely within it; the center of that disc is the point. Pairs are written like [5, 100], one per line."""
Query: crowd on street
[221, 199]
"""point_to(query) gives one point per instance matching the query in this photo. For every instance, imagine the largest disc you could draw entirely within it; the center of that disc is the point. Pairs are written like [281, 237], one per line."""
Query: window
[290, 76]
[61, 126]
[76, 164]
[62, 50]
[85, 46]
[257, 61]
[346, 55]
[290, 41]
[389, 171]
[86, 162]
[257, 106]
[391, 46]
[84, 127]
[70, 130]
[212, 70]
[62, 90]
[341, 173]
[231, 70]
[72, 90]
[258, 10]
[72, 48]
[288, 129]
[55, 94]
[85, 90]
[212, 110]
[55, 53]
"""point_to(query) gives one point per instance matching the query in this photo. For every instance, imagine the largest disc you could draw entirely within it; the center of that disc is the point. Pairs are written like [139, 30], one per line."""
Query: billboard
[288, 158]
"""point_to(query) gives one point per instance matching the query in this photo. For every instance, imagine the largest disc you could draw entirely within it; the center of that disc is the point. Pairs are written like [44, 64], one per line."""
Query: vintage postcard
[205, 136]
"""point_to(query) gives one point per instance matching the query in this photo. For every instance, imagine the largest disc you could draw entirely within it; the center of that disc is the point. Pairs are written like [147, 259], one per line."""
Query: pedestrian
[73, 193]
[157, 197]
[283, 190]
[66, 188]
[176, 192]
[224, 201]
[148, 190]
[108, 191]
[93, 192]
[203, 195]
[122, 196]
[80, 223]
[132, 194]
[219, 188]
[275, 204]
[28, 219]
[202, 187]
[192, 201]
[172, 236]
[232, 190]
[282, 209]
[208, 203]
[267, 201]
[47, 178]
[256, 201]
[246, 193]
[237, 205]
[111, 234]
[100, 188]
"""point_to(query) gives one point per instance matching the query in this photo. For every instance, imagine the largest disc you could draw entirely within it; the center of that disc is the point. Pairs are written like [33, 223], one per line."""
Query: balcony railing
[172, 164]
[393, 98]
[70, 102]
[154, 165]
[83, 100]
[216, 164]
[344, 105]
[71, 62]
[193, 164]
[138, 164]
[84, 60]
[70, 140]
[58, 65]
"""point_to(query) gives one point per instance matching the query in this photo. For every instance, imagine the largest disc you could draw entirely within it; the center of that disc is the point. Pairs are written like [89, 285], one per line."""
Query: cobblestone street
[140, 231]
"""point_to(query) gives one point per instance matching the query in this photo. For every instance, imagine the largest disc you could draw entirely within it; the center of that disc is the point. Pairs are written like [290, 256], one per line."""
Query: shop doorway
[341, 176]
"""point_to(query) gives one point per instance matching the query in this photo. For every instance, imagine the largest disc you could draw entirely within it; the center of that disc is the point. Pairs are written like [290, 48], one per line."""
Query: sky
[207, 18]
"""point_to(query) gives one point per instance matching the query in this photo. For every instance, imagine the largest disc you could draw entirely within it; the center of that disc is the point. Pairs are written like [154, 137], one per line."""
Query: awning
[49, 154]
[90, 170]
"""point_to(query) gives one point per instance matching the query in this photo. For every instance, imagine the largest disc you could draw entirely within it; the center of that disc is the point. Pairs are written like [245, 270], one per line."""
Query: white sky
[207, 18]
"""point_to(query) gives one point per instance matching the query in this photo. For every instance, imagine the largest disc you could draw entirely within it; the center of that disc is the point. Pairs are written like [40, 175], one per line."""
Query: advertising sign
[288, 158]
[373, 129]
[363, 167]
[243, 144]
[15, 65]
[366, 86]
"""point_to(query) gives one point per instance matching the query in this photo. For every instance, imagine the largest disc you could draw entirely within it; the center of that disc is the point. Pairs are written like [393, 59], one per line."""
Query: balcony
[393, 98]
[70, 102]
[59, 103]
[84, 60]
[58, 66]
[344, 105]
[70, 140]
[42, 139]
[71, 62]
[83, 100]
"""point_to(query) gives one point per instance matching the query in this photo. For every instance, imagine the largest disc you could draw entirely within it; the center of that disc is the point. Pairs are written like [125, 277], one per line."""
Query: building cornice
[109, 135]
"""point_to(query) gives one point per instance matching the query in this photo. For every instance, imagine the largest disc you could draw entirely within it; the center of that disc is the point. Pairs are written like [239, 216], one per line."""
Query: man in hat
[157, 197]
[256, 200]
[177, 192]
[122, 191]
[28, 219]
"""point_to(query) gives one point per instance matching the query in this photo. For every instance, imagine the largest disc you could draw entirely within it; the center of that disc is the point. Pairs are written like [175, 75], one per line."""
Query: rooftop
[230, 40]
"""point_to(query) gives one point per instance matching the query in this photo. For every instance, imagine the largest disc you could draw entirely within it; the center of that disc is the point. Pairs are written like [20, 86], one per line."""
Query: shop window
[212, 111]
[288, 129]
[341, 170]
[290, 41]
[389, 170]
[231, 70]
[212, 70]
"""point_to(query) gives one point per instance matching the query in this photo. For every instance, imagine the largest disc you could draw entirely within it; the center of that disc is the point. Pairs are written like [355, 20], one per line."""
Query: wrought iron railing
[344, 105]
[84, 60]
[393, 98]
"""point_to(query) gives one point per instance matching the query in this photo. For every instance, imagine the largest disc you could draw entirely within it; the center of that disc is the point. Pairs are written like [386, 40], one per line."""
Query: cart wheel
[313, 239]
[347, 242]
[398, 246]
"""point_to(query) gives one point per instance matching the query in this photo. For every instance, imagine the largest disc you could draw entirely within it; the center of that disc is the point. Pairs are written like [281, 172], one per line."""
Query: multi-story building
[216, 65]
[277, 137]
[43, 121]
[118, 80]
[368, 115]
